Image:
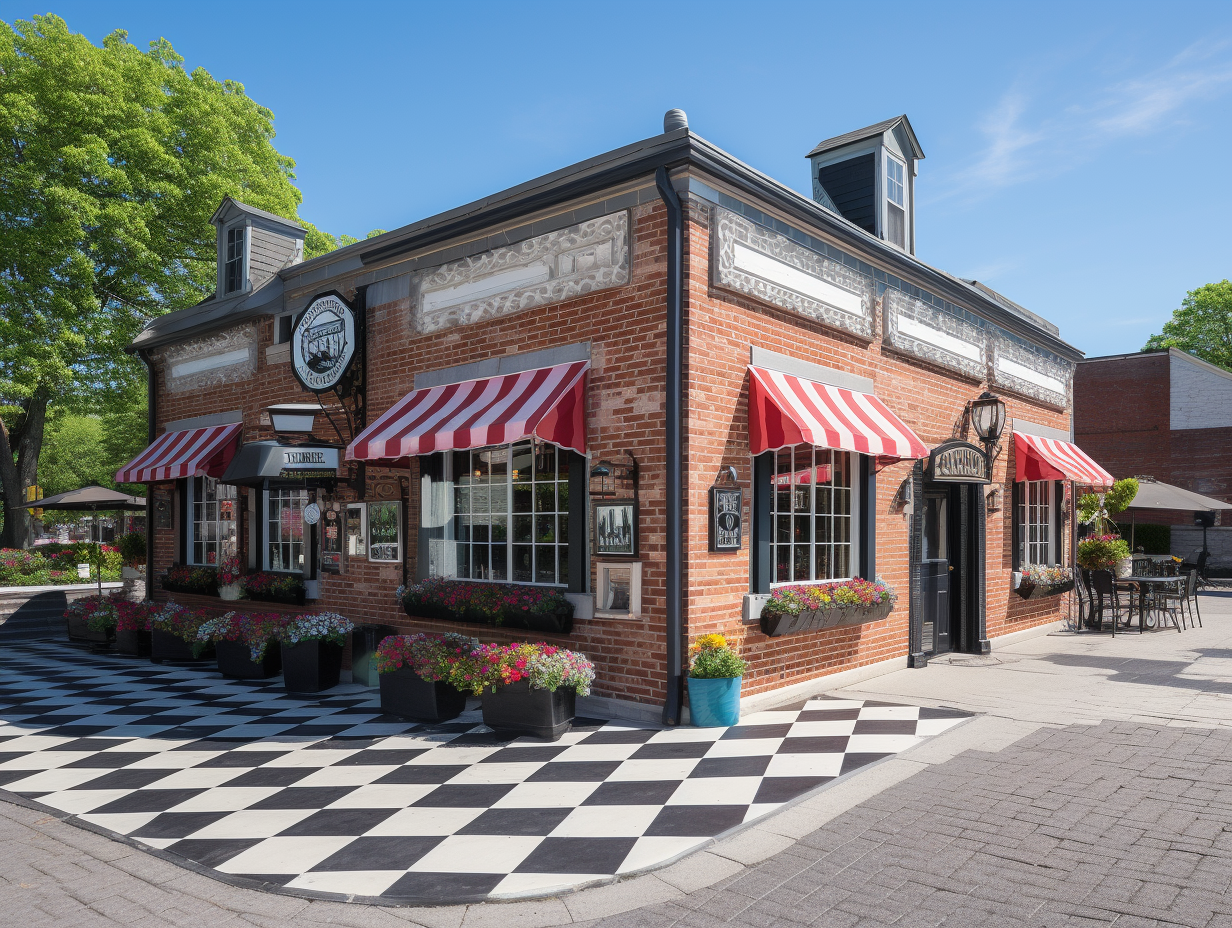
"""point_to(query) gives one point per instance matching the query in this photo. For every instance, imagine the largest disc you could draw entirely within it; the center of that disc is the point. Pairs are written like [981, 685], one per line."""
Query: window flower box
[183, 579]
[419, 675]
[1039, 582]
[793, 609]
[275, 588]
[312, 651]
[504, 605]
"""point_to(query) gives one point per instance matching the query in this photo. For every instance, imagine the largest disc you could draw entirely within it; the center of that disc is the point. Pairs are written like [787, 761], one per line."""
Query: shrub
[132, 548]
[1101, 552]
[435, 658]
[792, 600]
[180, 578]
[255, 630]
[324, 626]
[545, 666]
[713, 658]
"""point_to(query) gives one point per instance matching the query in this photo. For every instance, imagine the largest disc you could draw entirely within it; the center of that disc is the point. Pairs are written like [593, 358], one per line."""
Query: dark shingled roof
[868, 132]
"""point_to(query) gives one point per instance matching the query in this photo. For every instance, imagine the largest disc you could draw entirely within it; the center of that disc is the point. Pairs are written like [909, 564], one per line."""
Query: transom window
[1035, 525]
[284, 548]
[510, 514]
[812, 501]
[233, 270]
[212, 525]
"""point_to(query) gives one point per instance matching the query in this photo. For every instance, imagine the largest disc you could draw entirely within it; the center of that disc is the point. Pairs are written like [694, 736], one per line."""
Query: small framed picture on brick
[615, 527]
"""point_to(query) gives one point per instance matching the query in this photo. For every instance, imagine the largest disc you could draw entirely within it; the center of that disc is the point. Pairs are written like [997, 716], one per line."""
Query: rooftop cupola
[253, 246]
[868, 177]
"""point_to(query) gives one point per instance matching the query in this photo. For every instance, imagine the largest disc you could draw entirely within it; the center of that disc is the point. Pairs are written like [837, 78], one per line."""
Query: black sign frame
[726, 503]
[355, 349]
[951, 462]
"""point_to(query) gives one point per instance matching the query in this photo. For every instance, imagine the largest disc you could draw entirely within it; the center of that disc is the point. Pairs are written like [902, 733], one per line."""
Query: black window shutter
[1015, 530]
[579, 531]
[759, 550]
[1058, 522]
[868, 518]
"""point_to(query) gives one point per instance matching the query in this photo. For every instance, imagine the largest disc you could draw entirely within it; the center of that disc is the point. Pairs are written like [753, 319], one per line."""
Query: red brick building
[663, 304]
[1163, 414]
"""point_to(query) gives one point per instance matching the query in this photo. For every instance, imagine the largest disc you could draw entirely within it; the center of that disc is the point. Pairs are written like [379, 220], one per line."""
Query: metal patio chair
[1105, 585]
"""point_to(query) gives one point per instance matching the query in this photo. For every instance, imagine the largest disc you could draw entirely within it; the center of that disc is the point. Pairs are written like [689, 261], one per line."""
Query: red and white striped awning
[548, 402]
[1037, 458]
[788, 410]
[189, 453]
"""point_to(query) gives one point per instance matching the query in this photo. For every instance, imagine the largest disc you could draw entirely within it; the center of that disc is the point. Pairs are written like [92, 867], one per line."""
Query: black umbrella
[90, 499]
[1154, 495]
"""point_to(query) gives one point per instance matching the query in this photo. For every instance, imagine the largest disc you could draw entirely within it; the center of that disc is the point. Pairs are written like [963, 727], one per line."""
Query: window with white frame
[896, 209]
[212, 534]
[284, 521]
[813, 504]
[1036, 530]
[385, 531]
[233, 269]
[505, 516]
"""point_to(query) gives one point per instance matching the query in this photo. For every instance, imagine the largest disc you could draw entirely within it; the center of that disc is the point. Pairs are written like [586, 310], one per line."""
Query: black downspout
[675, 509]
[151, 399]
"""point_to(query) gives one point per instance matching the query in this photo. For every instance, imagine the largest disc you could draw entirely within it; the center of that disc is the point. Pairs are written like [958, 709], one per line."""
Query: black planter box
[134, 644]
[165, 646]
[235, 660]
[78, 630]
[775, 625]
[1028, 590]
[405, 693]
[311, 666]
[517, 709]
[293, 599]
[552, 623]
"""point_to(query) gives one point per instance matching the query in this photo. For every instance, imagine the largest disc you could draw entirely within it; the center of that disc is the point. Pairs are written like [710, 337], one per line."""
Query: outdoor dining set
[1163, 590]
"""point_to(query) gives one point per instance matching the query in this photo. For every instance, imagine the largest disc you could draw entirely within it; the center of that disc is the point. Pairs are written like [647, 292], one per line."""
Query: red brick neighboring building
[583, 267]
[1167, 415]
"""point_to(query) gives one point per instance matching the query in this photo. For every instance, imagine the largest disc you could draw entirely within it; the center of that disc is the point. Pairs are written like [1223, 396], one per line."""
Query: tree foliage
[1202, 326]
[112, 161]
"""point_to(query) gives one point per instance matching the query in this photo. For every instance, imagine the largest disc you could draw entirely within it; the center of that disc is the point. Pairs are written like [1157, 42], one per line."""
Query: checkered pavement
[325, 795]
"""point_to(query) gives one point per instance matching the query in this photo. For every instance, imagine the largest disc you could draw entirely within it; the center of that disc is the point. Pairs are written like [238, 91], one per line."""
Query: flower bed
[826, 605]
[254, 631]
[183, 579]
[506, 605]
[1038, 582]
[91, 618]
[135, 617]
[274, 588]
[56, 564]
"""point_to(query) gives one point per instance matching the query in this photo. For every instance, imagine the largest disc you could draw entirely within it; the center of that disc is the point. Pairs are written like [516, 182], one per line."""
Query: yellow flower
[711, 642]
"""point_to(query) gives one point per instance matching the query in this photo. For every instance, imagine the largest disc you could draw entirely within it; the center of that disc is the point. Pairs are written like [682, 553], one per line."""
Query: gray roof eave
[210, 316]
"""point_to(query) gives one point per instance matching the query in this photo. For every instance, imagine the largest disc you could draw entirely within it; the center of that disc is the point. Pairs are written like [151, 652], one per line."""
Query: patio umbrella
[1154, 496]
[91, 499]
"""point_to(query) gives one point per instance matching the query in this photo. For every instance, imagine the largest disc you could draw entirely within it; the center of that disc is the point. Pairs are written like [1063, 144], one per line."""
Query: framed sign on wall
[726, 513]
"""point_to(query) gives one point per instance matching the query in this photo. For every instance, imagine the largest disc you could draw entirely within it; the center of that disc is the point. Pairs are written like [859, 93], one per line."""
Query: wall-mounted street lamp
[988, 418]
[293, 417]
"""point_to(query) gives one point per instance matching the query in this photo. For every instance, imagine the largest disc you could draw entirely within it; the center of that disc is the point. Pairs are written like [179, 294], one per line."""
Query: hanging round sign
[323, 343]
[312, 513]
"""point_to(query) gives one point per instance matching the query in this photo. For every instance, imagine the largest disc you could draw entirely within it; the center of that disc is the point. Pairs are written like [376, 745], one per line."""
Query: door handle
[951, 568]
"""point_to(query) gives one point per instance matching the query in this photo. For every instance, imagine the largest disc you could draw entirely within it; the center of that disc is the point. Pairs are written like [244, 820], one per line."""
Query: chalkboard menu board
[726, 518]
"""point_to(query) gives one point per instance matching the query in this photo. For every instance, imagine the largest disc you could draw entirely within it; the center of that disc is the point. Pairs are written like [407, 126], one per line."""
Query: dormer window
[233, 270]
[896, 211]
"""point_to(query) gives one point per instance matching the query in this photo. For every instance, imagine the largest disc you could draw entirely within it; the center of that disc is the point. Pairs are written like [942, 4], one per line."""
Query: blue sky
[1077, 153]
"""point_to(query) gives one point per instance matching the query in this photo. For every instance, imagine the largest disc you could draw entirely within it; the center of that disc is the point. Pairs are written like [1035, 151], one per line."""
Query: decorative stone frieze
[225, 357]
[753, 260]
[1030, 370]
[560, 265]
[915, 328]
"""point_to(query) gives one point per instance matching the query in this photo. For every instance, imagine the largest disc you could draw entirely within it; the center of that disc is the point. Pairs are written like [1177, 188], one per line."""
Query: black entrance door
[938, 554]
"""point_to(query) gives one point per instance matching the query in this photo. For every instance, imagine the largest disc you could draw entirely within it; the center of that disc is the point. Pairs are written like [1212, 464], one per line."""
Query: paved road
[1094, 791]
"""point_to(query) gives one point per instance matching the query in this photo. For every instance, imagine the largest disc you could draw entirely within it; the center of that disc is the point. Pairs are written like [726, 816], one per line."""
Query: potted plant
[230, 577]
[530, 689]
[91, 618]
[132, 635]
[173, 635]
[312, 651]
[423, 677]
[715, 673]
[1038, 581]
[1102, 552]
[245, 645]
[504, 605]
[275, 588]
[132, 551]
[819, 606]
[183, 579]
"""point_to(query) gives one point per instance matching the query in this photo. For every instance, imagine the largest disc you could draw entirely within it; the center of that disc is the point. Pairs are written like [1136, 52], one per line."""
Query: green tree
[112, 162]
[317, 243]
[1202, 326]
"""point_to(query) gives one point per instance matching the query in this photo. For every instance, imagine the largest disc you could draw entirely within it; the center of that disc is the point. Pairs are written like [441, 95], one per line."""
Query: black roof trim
[868, 132]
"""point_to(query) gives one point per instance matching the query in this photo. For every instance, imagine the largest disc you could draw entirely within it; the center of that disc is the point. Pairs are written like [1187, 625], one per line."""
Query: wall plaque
[957, 462]
[323, 343]
[726, 512]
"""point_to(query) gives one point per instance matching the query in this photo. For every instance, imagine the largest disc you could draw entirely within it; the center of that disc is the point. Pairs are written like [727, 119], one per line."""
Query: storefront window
[510, 515]
[1035, 525]
[812, 502]
[357, 530]
[385, 532]
[285, 529]
[211, 526]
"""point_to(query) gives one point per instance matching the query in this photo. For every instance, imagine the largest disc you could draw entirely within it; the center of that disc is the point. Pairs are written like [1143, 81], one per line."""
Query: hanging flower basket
[792, 609]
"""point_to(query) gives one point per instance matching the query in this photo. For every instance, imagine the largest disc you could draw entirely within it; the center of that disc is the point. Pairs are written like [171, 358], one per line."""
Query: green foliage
[317, 243]
[1101, 552]
[1098, 508]
[1202, 326]
[55, 565]
[714, 658]
[1152, 539]
[1122, 493]
[132, 547]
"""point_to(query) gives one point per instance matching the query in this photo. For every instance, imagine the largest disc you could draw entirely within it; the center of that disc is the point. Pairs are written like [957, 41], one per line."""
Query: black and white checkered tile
[327, 795]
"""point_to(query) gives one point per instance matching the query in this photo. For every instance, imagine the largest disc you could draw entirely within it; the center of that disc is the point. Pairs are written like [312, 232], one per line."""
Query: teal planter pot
[714, 703]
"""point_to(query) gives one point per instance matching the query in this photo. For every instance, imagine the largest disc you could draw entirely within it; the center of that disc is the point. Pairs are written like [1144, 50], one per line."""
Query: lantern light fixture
[293, 417]
[988, 417]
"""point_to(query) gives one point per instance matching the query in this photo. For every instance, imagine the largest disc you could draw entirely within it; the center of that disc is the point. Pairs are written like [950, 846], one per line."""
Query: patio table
[1144, 584]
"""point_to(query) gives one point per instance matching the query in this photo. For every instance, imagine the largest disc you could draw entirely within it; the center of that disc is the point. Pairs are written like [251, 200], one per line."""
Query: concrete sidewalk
[1093, 790]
